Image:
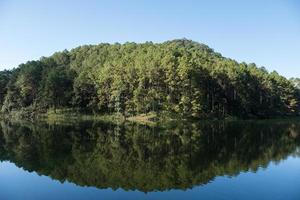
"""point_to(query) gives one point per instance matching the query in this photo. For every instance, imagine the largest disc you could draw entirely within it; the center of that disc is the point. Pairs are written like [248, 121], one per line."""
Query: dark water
[92, 160]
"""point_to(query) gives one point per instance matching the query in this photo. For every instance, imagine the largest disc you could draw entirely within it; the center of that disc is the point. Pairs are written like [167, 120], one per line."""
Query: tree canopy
[181, 77]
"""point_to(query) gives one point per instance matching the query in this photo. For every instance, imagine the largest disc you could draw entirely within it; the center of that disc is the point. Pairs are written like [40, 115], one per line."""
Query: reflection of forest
[147, 159]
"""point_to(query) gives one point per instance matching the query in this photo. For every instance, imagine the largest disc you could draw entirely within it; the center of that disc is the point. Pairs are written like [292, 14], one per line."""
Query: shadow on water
[137, 157]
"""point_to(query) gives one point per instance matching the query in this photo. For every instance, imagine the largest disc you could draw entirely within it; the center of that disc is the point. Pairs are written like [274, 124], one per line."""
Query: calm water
[89, 160]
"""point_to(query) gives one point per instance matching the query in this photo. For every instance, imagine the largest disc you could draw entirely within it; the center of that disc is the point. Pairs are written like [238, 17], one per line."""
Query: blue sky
[264, 32]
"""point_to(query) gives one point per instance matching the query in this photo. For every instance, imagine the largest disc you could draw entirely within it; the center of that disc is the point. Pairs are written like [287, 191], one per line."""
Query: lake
[100, 160]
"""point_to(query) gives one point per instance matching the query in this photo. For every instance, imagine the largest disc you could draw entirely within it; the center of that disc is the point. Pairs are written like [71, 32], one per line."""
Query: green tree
[58, 88]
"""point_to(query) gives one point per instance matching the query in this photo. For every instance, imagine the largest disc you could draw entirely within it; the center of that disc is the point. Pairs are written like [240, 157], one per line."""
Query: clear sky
[266, 32]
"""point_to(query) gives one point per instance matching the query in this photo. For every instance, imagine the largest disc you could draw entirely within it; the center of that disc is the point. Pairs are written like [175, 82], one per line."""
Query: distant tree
[28, 81]
[4, 79]
[296, 82]
[57, 88]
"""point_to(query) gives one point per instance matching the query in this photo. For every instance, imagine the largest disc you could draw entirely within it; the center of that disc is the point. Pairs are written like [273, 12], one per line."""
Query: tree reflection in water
[137, 157]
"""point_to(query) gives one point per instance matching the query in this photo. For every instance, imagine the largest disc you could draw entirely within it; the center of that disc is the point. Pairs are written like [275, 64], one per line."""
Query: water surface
[93, 160]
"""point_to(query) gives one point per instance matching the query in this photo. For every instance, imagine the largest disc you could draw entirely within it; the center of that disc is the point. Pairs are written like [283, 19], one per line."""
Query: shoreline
[150, 119]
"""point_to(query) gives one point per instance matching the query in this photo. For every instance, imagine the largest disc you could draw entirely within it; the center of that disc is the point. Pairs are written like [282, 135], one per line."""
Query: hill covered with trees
[180, 77]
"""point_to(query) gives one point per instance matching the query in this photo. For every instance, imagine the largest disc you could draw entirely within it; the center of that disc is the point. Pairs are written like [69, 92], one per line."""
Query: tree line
[180, 77]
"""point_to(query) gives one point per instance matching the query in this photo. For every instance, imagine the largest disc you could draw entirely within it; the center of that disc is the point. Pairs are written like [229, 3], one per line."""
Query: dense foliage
[181, 77]
[136, 157]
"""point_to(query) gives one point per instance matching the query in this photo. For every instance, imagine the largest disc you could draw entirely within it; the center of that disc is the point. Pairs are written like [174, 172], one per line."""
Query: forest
[180, 77]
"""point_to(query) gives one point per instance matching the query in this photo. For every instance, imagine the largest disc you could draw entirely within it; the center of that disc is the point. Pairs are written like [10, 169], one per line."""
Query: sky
[263, 32]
